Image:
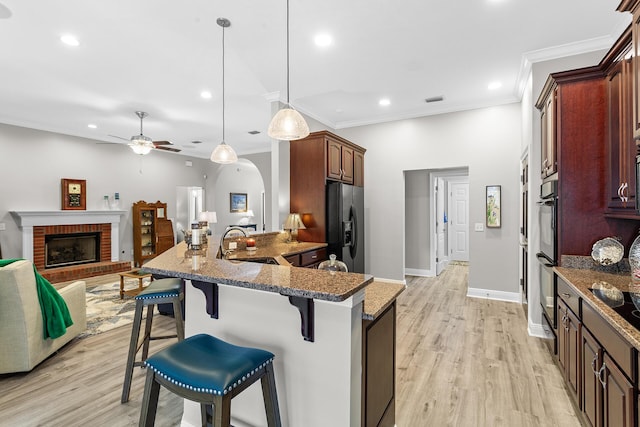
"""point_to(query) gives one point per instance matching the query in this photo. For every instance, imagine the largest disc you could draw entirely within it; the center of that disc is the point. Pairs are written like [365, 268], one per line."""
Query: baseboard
[495, 295]
[379, 279]
[418, 272]
[539, 330]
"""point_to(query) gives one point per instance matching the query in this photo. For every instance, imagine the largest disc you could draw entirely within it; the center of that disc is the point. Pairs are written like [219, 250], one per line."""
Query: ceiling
[158, 56]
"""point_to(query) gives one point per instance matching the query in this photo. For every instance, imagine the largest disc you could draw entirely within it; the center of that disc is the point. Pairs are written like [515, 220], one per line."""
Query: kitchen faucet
[222, 253]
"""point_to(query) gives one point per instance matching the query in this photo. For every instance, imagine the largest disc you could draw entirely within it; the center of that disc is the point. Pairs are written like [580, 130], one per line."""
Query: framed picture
[74, 194]
[493, 206]
[238, 202]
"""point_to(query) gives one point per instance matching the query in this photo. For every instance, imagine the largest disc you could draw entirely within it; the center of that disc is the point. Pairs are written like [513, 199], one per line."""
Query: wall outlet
[479, 226]
[3, 226]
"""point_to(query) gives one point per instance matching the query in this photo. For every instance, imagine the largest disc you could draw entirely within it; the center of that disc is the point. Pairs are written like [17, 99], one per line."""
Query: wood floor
[461, 362]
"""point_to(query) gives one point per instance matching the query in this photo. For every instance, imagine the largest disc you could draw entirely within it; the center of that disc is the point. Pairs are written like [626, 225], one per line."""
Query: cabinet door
[621, 145]
[347, 165]
[549, 138]
[561, 317]
[591, 388]
[358, 169]
[573, 353]
[334, 159]
[635, 34]
[618, 396]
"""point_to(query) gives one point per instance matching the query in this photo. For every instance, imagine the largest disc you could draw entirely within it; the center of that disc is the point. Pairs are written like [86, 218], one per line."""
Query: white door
[459, 221]
[440, 227]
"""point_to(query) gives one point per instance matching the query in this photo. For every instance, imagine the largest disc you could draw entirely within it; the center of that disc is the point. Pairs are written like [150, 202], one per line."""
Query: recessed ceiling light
[494, 85]
[205, 94]
[323, 40]
[384, 102]
[92, 126]
[70, 40]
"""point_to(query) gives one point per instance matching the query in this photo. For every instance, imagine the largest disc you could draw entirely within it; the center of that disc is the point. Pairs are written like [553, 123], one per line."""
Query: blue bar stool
[160, 291]
[210, 371]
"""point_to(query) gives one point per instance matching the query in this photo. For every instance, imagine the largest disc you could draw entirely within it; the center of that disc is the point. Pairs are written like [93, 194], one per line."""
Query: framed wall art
[493, 206]
[238, 202]
[74, 194]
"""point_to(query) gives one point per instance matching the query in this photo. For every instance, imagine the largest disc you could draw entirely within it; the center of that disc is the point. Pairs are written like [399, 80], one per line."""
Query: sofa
[22, 342]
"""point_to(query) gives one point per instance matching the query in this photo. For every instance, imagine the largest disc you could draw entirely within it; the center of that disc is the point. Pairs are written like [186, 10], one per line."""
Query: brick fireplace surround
[36, 225]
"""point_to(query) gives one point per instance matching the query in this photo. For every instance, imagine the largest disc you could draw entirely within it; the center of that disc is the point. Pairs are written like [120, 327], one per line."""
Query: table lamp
[293, 224]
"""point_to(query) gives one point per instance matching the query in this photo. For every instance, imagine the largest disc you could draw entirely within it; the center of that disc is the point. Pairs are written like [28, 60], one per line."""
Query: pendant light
[223, 153]
[141, 144]
[288, 124]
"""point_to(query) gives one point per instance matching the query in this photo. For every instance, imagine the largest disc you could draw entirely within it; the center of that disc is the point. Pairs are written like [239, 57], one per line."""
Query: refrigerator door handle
[353, 249]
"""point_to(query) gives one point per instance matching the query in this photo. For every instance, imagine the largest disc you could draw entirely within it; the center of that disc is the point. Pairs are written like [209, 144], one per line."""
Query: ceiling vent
[434, 99]
[254, 132]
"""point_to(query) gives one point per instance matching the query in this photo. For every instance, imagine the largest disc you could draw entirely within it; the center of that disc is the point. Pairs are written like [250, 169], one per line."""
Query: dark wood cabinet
[633, 6]
[378, 366]
[315, 159]
[569, 328]
[548, 114]
[591, 401]
[617, 395]
[152, 231]
[309, 259]
[621, 146]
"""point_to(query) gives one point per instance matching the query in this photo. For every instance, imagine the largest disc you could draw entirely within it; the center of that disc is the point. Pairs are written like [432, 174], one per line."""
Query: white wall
[485, 140]
[416, 219]
[32, 163]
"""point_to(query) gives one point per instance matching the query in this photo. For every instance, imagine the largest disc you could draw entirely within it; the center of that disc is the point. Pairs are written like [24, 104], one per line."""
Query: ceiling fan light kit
[223, 153]
[141, 144]
[288, 124]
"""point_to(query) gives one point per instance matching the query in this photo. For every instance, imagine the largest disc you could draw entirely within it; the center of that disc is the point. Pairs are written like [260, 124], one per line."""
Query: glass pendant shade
[224, 154]
[141, 144]
[288, 125]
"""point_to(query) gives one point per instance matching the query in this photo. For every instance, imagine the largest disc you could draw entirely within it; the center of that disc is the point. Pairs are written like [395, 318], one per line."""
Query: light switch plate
[479, 226]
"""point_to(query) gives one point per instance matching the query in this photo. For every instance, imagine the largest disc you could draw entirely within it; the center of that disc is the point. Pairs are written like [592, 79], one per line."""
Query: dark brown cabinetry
[568, 346]
[591, 356]
[633, 6]
[547, 106]
[152, 231]
[621, 147]
[378, 366]
[309, 259]
[315, 159]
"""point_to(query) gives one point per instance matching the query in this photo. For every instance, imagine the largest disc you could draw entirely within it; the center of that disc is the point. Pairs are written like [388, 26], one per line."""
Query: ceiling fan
[142, 144]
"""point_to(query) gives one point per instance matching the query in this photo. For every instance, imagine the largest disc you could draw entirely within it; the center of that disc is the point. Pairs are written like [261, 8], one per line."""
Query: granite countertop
[274, 250]
[582, 280]
[289, 281]
[378, 296]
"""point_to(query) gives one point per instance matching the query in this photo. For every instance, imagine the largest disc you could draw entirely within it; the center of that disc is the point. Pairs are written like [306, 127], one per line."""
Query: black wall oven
[547, 257]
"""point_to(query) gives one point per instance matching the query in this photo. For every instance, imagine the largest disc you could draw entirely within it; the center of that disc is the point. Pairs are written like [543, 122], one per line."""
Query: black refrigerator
[345, 224]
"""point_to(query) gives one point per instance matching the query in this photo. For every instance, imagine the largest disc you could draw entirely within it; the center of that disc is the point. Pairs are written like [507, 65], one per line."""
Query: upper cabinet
[633, 6]
[621, 146]
[340, 160]
[547, 106]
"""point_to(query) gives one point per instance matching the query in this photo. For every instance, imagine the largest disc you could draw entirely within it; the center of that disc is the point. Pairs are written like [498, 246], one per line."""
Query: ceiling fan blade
[119, 137]
[156, 143]
[163, 147]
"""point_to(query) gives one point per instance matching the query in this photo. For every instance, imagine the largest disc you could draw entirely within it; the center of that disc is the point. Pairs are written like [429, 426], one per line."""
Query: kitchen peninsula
[311, 320]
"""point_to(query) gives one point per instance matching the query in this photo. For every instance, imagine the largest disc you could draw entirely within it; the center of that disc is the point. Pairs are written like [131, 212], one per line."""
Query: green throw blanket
[55, 314]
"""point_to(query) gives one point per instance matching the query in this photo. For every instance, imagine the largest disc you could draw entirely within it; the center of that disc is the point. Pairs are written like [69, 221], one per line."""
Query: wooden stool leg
[149, 400]
[270, 396]
[121, 287]
[222, 411]
[177, 314]
[147, 332]
[206, 420]
[133, 349]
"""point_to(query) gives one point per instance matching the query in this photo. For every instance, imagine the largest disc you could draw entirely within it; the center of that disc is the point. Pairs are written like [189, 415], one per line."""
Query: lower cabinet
[617, 395]
[378, 367]
[591, 387]
[309, 259]
[569, 327]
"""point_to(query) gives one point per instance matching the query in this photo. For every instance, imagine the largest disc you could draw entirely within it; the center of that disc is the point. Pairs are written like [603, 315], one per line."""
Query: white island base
[318, 383]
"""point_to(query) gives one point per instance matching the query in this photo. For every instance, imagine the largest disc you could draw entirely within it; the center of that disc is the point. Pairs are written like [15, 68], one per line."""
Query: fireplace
[103, 258]
[71, 249]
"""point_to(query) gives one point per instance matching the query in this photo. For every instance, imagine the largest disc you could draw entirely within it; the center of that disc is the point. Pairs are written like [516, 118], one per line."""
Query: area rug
[105, 309]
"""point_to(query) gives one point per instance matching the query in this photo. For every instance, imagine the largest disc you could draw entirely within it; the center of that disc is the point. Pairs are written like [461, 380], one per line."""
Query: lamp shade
[141, 144]
[288, 125]
[208, 216]
[224, 154]
[294, 222]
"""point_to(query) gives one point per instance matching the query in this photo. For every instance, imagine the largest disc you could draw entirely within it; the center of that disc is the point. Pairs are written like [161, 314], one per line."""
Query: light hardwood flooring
[460, 362]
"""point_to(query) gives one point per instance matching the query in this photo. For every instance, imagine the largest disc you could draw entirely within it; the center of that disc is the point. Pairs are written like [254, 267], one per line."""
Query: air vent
[434, 99]
[196, 142]
[254, 132]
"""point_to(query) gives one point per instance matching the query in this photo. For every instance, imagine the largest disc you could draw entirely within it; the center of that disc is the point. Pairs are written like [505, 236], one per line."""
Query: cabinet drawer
[313, 257]
[294, 260]
[569, 296]
[619, 349]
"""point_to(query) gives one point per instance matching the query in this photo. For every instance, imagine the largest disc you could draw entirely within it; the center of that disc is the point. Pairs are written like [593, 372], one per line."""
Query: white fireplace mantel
[26, 220]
